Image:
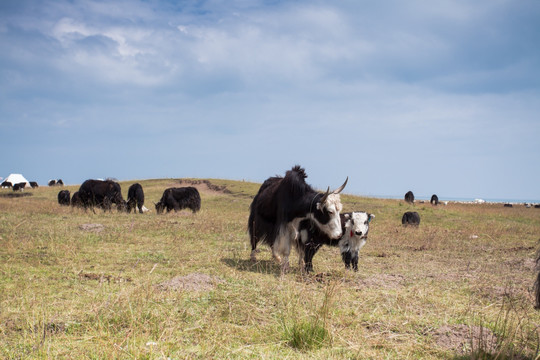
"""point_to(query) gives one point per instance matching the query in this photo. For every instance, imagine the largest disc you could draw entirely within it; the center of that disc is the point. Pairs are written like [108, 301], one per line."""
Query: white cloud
[440, 81]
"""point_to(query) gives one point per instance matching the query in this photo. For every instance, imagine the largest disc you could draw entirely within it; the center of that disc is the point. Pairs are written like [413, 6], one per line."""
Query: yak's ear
[370, 217]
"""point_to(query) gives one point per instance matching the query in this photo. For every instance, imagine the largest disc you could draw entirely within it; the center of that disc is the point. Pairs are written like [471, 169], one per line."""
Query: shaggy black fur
[102, 193]
[409, 197]
[76, 200]
[411, 218]
[135, 198]
[279, 201]
[179, 198]
[63, 197]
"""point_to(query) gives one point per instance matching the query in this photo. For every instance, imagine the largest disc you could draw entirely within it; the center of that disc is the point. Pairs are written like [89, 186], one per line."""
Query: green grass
[75, 294]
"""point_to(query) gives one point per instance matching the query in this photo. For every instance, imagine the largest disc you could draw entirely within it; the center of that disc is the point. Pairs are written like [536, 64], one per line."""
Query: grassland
[181, 285]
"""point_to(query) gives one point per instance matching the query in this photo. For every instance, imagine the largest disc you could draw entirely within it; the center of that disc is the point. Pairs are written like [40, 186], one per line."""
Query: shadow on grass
[260, 266]
[16, 194]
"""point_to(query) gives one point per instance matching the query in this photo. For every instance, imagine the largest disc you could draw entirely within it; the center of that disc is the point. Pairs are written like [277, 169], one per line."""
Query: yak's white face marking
[332, 206]
[356, 231]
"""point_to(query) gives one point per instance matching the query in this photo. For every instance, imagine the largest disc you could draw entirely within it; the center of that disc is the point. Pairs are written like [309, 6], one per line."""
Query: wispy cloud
[354, 85]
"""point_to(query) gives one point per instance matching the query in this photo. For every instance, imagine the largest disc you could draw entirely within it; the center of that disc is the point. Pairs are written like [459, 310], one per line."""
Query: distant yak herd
[106, 193]
[18, 186]
[286, 212]
[33, 184]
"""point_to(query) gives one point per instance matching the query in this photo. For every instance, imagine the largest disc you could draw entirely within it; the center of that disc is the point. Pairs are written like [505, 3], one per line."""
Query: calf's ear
[370, 217]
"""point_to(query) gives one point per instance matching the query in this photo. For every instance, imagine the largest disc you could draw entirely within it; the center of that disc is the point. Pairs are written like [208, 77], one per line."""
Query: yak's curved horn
[340, 189]
[325, 196]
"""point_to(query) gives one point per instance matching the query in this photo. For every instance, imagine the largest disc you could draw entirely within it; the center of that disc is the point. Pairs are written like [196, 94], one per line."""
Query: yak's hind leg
[258, 230]
[282, 248]
[140, 206]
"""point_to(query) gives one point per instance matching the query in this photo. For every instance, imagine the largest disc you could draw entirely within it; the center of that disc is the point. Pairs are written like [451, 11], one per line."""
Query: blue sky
[434, 97]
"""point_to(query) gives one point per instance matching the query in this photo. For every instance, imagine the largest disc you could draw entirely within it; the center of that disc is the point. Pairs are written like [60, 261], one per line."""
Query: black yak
[179, 198]
[76, 200]
[102, 193]
[135, 198]
[279, 207]
[409, 197]
[411, 218]
[63, 197]
[19, 186]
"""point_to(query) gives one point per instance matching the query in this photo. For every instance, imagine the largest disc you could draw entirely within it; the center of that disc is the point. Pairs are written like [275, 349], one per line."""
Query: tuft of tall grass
[311, 333]
[511, 336]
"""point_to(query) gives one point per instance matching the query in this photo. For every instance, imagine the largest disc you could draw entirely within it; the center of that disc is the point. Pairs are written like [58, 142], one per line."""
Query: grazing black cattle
[76, 200]
[508, 205]
[411, 218]
[279, 207]
[179, 198]
[135, 198]
[7, 184]
[51, 183]
[63, 197]
[434, 200]
[102, 193]
[34, 184]
[409, 197]
[537, 206]
[19, 186]
[59, 182]
[355, 228]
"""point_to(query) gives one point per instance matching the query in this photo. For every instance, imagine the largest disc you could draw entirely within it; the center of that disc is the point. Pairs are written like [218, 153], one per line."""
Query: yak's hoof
[253, 256]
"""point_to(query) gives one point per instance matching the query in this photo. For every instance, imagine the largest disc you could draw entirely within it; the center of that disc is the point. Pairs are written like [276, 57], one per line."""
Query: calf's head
[355, 232]
[326, 214]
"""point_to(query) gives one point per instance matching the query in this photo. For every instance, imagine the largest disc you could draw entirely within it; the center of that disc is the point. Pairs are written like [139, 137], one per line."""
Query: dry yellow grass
[182, 286]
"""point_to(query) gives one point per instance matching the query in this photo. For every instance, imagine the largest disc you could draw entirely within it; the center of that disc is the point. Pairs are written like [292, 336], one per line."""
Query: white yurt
[17, 178]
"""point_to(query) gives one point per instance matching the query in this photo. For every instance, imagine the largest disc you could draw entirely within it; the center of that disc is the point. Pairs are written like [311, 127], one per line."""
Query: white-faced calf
[355, 227]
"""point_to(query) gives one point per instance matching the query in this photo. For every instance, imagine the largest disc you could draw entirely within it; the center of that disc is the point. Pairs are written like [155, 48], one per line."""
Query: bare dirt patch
[194, 282]
[465, 339]
[521, 265]
[102, 278]
[382, 281]
[16, 194]
[92, 227]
